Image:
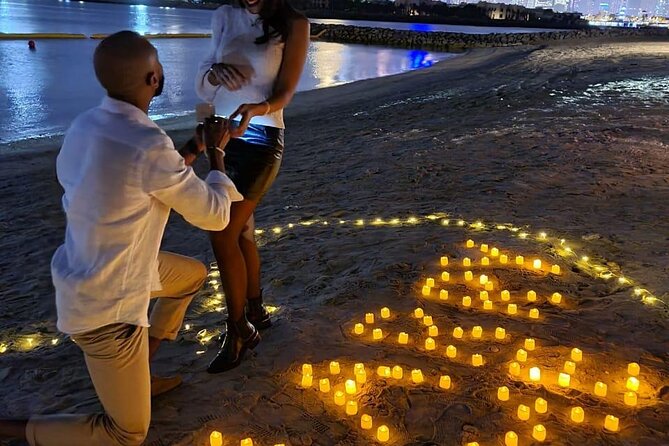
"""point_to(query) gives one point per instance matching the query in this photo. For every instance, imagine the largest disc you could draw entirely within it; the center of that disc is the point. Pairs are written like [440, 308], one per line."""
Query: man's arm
[190, 151]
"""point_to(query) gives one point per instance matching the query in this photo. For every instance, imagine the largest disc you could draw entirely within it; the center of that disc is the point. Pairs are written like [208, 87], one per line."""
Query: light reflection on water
[648, 91]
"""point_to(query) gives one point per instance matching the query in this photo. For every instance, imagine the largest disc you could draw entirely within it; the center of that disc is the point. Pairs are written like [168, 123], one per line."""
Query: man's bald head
[124, 64]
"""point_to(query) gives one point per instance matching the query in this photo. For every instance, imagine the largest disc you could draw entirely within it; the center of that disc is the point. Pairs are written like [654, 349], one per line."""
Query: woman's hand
[230, 76]
[247, 111]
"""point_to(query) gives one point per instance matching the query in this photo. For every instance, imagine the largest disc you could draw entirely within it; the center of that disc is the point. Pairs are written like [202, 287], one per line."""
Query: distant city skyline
[593, 7]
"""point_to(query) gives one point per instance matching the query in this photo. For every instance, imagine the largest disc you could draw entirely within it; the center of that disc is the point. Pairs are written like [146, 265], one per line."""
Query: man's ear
[152, 80]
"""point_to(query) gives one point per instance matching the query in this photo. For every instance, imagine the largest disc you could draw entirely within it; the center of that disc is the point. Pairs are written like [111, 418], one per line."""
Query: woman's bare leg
[252, 261]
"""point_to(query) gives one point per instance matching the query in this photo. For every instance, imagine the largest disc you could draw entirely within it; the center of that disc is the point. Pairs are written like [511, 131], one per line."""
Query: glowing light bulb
[470, 243]
[503, 393]
[521, 355]
[427, 321]
[466, 261]
[307, 369]
[514, 369]
[503, 259]
[630, 398]
[487, 305]
[383, 371]
[307, 381]
[541, 405]
[534, 313]
[366, 422]
[445, 276]
[494, 252]
[485, 261]
[246, 442]
[430, 282]
[511, 439]
[532, 296]
[445, 382]
[535, 374]
[632, 384]
[539, 432]
[577, 414]
[458, 332]
[477, 360]
[506, 296]
[483, 279]
[216, 439]
[417, 376]
[359, 329]
[484, 248]
[520, 260]
[433, 331]
[430, 344]
[403, 338]
[611, 423]
[530, 344]
[351, 408]
[451, 351]
[556, 298]
[377, 334]
[633, 369]
[397, 372]
[383, 434]
[569, 367]
[443, 295]
[512, 309]
[536, 264]
[500, 333]
[564, 379]
[426, 290]
[369, 318]
[444, 261]
[466, 301]
[334, 368]
[339, 398]
[601, 389]
[555, 269]
[477, 332]
[576, 355]
[385, 313]
[418, 313]
[469, 276]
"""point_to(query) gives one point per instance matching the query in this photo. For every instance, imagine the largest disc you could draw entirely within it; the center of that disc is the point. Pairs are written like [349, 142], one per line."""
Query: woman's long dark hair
[276, 17]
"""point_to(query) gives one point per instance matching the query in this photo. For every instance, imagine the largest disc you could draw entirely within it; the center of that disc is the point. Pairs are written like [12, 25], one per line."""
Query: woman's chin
[253, 7]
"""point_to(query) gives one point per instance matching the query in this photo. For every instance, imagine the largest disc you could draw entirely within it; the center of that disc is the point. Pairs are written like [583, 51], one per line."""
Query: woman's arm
[204, 89]
[294, 57]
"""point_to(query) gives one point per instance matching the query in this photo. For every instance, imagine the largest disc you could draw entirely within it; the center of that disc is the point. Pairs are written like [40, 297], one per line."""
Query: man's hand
[216, 132]
[247, 111]
[232, 77]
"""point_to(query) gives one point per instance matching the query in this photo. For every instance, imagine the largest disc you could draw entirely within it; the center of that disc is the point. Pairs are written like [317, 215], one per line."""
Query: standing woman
[258, 50]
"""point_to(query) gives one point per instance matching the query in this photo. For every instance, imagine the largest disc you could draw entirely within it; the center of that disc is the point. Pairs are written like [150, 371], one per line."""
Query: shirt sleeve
[204, 204]
[203, 88]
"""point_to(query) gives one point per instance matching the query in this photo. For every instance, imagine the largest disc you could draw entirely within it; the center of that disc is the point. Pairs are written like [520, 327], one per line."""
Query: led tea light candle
[611, 423]
[383, 434]
[487, 305]
[473, 443]
[361, 377]
[484, 247]
[556, 298]
[530, 344]
[570, 367]
[377, 334]
[385, 313]
[350, 386]
[483, 295]
[564, 379]
[466, 301]
[445, 382]
[485, 261]
[307, 381]
[523, 412]
[398, 372]
[334, 368]
[458, 332]
[433, 331]
[466, 261]
[534, 313]
[630, 398]
[430, 282]
[577, 414]
[494, 252]
[324, 385]
[426, 290]
[366, 422]
[483, 279]
[444, 261]
[536, 264]
[359, 329]
[246, 442]
[500, 333]
[521, 355]
[632, 384]
[369, 318]
[505, 295]
[503, 393]
[443, 295]
[535, 374]
[601, 389]
[511, 439]
[541, 405]
[470, 243]
[489, 286]
[430, 344]
[514, 369]
[216, 439]
[451, 351]
[503, 259]
[477, 332]
[512, 309]
[383, 371]
[339, 398]
[445, 276]
[469, 276]
[477, 360]
[358, 367]
[427, 321]
[418, 313]
[520, 260]
[417, 376]
[307, 369]
[576, 355]
[351, 408]
[555, 269]
[539, 432]
[532, 296]
[633, 369]
[403, 338]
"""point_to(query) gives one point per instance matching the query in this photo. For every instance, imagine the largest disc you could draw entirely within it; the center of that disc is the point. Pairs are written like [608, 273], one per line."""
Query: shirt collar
[125, 108]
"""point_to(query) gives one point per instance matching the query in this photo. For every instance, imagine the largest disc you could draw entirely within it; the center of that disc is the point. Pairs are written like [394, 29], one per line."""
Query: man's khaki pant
[117, 359]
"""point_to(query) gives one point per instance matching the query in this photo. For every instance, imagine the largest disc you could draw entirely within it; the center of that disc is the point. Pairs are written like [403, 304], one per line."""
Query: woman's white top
[234, 31]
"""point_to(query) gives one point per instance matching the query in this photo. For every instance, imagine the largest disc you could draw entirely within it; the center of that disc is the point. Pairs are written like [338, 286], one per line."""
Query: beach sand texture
[570, 140]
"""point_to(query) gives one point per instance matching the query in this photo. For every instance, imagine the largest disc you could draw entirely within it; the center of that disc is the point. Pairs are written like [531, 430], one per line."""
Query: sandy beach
[570, 140]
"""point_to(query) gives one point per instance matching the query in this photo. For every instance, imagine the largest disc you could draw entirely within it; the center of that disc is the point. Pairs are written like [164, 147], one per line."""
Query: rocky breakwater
[444, 41]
